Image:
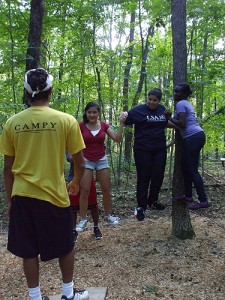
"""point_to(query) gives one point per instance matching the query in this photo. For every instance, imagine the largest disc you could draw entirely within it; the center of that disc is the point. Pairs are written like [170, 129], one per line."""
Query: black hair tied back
[156, 92]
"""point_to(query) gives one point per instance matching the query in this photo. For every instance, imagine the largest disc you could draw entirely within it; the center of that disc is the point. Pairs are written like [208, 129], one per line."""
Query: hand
[122, 117]
[167, 114]
[73, 188]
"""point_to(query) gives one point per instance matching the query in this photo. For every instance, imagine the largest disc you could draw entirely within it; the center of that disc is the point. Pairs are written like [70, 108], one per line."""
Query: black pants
[150, 168]
[190, 162]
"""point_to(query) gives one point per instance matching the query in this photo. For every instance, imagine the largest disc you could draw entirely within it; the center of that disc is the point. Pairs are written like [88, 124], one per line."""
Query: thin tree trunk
[12, 57]
[145, 51]
[181, 222]
[97, 72]
[128, 134]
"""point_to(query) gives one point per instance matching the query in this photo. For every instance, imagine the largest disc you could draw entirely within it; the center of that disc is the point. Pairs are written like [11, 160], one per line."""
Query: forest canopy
[113, 52]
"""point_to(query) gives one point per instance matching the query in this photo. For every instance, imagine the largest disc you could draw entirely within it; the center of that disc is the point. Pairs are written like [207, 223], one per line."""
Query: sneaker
[183, 197]
[75, 235]
[97, 233]
[44, 298]
[139, 213]
[158, 206]
[179, 197]
[112, 220]
[81, 226]
[77, 295]
[155, 205]
[188, 199]
[199, 205]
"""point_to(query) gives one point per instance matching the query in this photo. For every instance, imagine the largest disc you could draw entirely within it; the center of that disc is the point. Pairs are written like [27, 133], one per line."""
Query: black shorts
[37, 227]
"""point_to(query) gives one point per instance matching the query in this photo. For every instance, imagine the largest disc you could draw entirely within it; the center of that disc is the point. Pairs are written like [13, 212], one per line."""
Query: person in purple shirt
[193, 140]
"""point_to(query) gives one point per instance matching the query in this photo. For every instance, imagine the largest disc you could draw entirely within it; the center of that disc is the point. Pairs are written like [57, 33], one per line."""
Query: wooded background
[114, 52]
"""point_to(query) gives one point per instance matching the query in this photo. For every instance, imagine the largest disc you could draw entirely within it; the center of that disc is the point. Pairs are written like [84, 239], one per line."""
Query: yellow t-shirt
[38, 138]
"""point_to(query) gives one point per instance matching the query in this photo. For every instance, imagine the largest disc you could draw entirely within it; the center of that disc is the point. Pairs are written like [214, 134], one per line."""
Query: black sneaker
[140, 213]
[44, 298]
[150, 202]
[158, 206]
[97, 233]
[77, 295]
[75, 235]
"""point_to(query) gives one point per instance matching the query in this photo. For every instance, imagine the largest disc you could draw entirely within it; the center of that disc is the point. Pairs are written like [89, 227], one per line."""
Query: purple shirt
[192, 127]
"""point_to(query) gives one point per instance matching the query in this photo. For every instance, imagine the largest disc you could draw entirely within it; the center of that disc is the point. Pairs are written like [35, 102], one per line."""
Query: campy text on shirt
[35, 126]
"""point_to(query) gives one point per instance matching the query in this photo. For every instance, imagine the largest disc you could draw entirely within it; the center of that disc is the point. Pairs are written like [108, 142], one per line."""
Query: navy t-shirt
[149, 127]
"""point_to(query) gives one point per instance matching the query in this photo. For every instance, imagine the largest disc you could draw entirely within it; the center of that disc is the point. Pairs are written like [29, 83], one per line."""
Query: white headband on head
[29, 89]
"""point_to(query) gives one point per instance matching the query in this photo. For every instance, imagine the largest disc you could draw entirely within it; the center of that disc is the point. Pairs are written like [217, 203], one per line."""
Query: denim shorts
[97, 165]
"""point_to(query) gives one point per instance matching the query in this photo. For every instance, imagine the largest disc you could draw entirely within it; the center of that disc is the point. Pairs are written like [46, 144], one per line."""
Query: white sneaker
[81, 226]
[77, 295]
[112, 220]
[81, 295]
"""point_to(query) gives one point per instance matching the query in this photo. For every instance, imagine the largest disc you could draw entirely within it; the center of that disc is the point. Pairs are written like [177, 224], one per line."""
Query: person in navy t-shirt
[193, 140]
[149, 150]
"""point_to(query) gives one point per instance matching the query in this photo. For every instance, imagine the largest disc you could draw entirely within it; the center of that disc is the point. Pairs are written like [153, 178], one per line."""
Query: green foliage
[85, 46]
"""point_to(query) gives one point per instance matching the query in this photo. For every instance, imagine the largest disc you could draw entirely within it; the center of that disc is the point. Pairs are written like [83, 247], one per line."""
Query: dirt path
[138, 260]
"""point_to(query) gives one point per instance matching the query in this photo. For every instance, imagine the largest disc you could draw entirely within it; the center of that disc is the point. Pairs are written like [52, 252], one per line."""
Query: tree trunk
[34, 37]
[181, 222]
[12, 56]
[128, 134]
[35, 31]
[145, 51]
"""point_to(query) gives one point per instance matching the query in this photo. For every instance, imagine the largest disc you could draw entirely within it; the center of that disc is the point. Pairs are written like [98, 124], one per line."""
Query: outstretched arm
[171, 125]
[180, 122]
[117, 137]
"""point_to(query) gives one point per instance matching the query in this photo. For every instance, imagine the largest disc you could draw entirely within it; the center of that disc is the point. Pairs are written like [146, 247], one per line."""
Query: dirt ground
[139, 260]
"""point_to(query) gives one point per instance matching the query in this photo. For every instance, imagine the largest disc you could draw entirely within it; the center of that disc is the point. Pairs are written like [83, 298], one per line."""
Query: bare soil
[139, 260]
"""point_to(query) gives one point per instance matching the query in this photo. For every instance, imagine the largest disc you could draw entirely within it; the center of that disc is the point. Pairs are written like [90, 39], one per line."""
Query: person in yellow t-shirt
[33, 143]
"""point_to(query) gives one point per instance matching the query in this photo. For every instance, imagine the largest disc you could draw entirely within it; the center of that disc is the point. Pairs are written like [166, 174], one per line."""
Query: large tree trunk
[35, 31]
[34, 37]
[181, 223]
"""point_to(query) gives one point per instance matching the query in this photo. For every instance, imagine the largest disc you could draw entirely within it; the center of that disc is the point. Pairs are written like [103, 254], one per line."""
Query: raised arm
[117, 137]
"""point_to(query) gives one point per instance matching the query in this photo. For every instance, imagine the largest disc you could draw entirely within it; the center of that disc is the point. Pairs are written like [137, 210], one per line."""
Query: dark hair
[37, 80]
[186, 89]
[156, 92]
[89, 105]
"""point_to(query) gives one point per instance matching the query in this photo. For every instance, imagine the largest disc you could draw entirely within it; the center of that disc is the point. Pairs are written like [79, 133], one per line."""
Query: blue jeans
[189, 163]
[150, 168]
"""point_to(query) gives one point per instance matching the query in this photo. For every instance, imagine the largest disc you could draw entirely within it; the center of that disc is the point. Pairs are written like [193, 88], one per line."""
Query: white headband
[29, 89]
